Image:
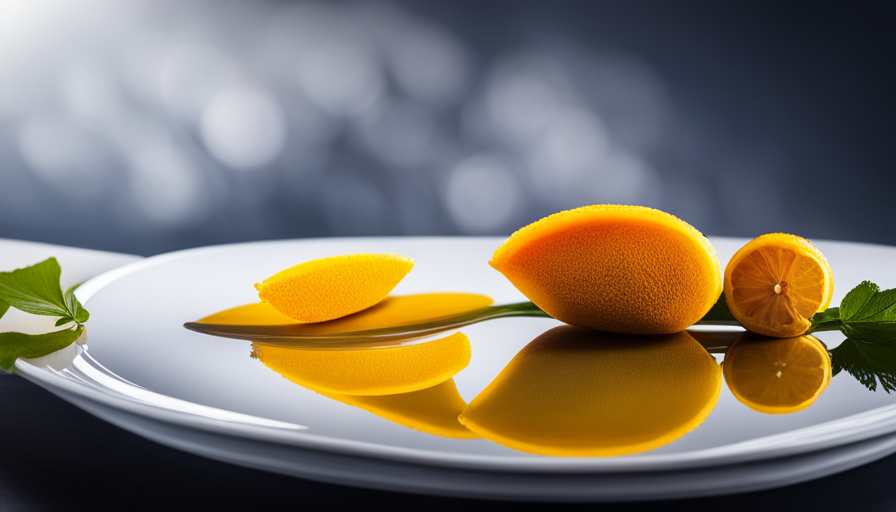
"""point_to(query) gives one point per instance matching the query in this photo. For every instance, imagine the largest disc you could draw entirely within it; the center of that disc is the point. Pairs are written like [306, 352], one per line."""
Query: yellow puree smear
[573, 392]
[369, 372]
[392, 311]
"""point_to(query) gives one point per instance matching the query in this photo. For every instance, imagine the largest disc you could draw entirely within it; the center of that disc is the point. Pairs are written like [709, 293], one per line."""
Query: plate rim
[850, 429]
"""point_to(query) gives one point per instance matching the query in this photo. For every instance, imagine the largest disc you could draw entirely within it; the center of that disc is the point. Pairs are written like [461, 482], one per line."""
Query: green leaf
[856, 299]
[14, 345]
[35, 289]
[827, 320]
[869, 363]
[826, 316]
[75, 308]
[64, 320]
[4, 306]
[869, 314]
[719, 312]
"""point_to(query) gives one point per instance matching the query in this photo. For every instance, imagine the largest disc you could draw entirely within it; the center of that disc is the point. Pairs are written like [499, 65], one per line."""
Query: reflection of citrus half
[776, 282]
[432, 410]
[777, 375]
[573, 392]
[614, 268]
[382, 371]
[328, 288]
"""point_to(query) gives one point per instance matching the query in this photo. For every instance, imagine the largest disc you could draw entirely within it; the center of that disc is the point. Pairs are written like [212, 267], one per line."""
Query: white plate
[146, 373]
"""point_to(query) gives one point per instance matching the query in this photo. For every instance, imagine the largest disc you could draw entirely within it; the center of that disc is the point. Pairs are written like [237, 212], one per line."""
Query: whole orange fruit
[617, 268]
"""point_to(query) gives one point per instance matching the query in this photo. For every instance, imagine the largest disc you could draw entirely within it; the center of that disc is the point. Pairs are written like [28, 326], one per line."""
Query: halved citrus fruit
[617, 268]
[330, 288]
[776, 282]
[578, 393]
[777, 375]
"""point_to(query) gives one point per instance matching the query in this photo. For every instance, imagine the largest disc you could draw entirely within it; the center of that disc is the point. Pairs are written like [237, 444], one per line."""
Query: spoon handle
[294, 334]
[298, 336]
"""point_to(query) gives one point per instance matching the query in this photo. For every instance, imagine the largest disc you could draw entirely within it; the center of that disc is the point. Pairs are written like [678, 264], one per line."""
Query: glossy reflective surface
[137, 334]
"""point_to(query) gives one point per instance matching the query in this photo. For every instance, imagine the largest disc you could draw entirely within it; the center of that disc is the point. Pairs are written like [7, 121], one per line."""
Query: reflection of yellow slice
[777, 375]
[573, 392]
[432, 410]
[382, 371]
[392, 311]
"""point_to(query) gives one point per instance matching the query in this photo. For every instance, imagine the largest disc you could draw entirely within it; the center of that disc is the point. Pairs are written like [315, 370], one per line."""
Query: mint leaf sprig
[867, 317]
[36, 290]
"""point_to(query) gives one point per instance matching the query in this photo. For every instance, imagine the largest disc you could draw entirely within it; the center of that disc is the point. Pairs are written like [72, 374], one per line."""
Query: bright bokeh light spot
[243, 128]
[20, 22]
[90, 92]
[399, 133]
[342, 76]
[167, 189]
[625, 179]
[353, 206]
[482, 194]
[62, 155]
[630, 96]
[191, 75]
[568, 154]
[522, 97]
[430, 65]
[573, 139]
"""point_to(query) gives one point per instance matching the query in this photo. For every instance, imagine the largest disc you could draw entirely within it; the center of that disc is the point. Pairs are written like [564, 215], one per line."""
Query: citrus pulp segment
[776, 282]
[625, 269]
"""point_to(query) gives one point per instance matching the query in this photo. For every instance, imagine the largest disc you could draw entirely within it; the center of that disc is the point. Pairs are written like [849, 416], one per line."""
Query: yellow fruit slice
[432, 410]
[383, 371]
[330, 288]
[776, 282]
[578, 393]
[777, 375]
[625, 269]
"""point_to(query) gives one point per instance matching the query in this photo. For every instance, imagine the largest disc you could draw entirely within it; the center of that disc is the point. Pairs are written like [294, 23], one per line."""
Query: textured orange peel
[616, 268]
[329, 288]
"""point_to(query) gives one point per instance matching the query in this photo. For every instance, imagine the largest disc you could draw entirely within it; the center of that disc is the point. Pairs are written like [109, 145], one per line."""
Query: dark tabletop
[53, 456]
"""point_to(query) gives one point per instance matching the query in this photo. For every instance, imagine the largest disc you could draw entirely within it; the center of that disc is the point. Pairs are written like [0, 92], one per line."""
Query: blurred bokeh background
[149, 126]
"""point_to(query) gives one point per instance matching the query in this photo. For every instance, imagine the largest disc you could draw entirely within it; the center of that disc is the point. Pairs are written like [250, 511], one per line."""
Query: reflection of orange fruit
[432, 410]
[776, 282]
[328, 288]
[777, 375]
[573, 392]
[626, 269]
[381, 371]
